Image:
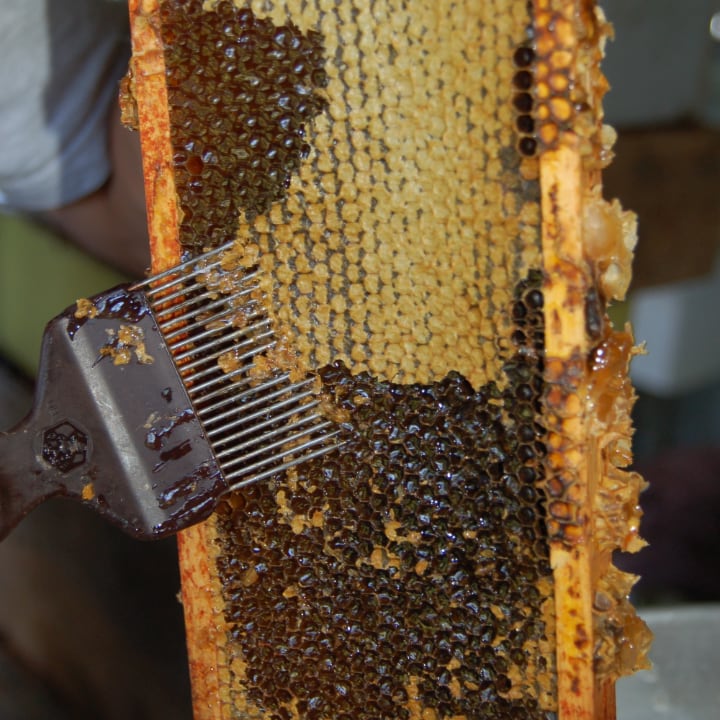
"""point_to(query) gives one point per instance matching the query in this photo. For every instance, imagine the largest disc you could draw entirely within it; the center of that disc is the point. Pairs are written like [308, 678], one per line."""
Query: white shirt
[60, 65]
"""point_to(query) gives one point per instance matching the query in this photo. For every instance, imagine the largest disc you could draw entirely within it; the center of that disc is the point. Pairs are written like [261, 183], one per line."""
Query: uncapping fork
[135, 416]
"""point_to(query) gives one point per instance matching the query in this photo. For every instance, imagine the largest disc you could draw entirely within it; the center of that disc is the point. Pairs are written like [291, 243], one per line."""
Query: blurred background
[117, 607]
[91, 626]
[664, 72]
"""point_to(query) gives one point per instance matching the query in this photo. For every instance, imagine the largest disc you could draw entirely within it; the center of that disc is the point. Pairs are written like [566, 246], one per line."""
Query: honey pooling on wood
[241, 92]
[406, 576]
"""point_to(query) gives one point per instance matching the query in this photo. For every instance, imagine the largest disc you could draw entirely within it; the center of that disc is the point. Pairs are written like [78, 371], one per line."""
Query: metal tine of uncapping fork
[256, 473]
[210, 351]
[268, 422]
[207, 300]
[209, 388]
[264, 413]
[184, 271]
[180, 297]
[207, 364]
[260, 395]
[264, 444]
[242, 418]
[203, 351]
[296, 443]
[229, 306]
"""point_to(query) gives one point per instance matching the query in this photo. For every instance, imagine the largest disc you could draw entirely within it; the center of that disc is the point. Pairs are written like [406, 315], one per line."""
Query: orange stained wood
[572, 461]
[205, 630]
[560, 177]
[204, 633]
[150, 91]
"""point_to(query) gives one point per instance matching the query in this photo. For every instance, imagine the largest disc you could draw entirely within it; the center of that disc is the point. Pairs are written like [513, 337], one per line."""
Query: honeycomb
[422, 199]
[407, 575]
[359, 225]
[241, 91]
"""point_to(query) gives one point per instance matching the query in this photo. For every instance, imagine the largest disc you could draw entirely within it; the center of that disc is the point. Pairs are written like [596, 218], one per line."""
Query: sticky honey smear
[440, 255]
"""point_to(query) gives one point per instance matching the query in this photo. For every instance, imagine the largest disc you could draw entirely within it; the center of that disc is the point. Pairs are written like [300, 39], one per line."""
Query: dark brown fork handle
[24, 483]
[122, 438]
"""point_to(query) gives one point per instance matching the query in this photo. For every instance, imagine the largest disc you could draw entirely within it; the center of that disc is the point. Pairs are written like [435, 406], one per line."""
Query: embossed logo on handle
[64, 446]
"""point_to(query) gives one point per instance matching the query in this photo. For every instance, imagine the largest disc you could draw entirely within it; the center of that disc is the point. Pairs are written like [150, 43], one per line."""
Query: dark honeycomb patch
[407, 572]
[523, 82]
[241, 92]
